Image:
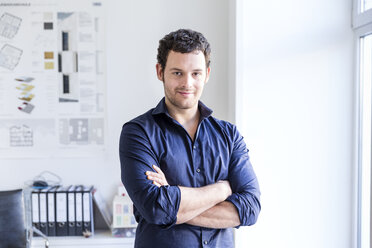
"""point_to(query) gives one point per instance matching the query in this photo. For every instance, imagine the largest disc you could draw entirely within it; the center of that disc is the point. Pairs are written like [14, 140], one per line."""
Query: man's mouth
[185, 93]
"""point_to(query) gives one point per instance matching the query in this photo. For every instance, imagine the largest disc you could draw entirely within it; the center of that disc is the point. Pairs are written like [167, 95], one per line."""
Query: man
[187, 173]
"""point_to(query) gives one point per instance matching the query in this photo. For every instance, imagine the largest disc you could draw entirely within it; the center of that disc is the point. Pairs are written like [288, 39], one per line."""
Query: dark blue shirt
[217, 153]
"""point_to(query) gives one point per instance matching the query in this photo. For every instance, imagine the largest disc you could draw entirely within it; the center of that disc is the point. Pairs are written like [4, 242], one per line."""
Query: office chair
[16, 229]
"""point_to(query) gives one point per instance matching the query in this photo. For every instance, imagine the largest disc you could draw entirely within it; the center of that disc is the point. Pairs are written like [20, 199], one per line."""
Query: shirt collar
[161, 108]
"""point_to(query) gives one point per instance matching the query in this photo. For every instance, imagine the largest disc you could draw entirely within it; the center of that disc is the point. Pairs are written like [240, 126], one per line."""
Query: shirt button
[194, 147]
[197, 170]
[205, 242]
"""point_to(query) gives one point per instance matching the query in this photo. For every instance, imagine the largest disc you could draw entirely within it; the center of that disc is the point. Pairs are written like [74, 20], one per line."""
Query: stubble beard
[178, 104]
[186, 104]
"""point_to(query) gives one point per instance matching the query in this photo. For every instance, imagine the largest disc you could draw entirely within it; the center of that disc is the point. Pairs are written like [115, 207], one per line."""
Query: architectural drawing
[21, 136]
[10, 56]
[9, 25]
[52, 78]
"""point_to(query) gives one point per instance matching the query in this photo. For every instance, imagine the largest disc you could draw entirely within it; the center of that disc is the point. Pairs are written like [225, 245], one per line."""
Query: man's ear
[159, 72]
[207, 76]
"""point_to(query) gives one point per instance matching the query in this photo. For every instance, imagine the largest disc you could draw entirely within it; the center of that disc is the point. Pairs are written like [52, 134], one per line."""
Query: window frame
[362, 25]
[360, 18]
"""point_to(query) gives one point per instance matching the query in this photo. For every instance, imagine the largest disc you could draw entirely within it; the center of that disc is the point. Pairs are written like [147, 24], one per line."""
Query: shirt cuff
[234, 199]
[171, 202]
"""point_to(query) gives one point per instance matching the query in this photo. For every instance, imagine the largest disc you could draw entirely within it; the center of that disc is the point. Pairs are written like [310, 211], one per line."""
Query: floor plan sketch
[9, 25]
[81, 131]
[21, 136]
[10, 56]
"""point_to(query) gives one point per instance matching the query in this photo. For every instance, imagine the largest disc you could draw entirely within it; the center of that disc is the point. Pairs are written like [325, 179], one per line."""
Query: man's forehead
[193, 59]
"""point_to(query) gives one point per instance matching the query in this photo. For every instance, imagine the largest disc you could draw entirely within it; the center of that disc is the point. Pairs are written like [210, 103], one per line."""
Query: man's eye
[197, 74]
[177, 73]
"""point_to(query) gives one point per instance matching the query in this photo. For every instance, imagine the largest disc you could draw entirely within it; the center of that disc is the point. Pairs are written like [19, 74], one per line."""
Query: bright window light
[366, 5]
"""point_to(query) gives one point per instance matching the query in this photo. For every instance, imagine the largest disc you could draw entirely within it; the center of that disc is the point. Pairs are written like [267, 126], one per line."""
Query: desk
[101, 239]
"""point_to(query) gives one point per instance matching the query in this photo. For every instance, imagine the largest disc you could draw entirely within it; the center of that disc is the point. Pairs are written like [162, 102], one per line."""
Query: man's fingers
[157, 181]
[156, 184]
[157, 169]
[151, 174]
[157, 177]
[154, 177]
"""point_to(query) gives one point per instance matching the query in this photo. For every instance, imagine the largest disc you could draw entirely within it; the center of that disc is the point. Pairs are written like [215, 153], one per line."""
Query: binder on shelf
[35, 209]
[43, 210]
[61, 211]
[71, 212]
[51, 202]
[68, 211]
[79, 210]
[88, 223]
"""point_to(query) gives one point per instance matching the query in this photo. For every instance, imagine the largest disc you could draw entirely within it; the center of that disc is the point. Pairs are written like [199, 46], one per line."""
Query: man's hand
[158, 177]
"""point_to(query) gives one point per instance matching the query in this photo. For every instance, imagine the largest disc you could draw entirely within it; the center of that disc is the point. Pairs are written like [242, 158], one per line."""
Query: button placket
[198, 170]
[204, 238]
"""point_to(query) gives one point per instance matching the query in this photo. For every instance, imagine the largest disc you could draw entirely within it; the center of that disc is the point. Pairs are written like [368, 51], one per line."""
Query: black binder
[61, 212]
[79, 210]
[35, 209]
[71, 218]
[43, 210]
[88, 223]
[51, 201]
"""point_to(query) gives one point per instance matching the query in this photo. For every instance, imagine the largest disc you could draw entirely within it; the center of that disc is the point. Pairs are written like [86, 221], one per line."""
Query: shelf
[101, 239]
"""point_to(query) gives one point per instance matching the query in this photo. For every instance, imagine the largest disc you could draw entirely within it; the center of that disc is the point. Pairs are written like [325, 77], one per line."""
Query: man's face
[184, 77]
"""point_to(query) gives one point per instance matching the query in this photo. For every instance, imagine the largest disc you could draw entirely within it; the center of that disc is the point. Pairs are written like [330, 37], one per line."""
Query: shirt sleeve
[244, 184]
[156, 205]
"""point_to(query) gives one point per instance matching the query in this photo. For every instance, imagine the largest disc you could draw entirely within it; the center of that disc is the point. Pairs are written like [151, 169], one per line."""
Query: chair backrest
[13, 227]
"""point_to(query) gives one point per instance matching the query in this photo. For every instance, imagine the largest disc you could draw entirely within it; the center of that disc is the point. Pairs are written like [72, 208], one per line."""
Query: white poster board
[52, 78]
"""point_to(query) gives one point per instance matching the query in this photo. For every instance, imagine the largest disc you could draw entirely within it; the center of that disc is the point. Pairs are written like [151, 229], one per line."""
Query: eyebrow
[177, 69]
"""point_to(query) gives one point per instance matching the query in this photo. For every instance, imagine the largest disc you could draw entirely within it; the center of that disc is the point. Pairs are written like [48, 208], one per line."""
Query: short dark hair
[183, 41]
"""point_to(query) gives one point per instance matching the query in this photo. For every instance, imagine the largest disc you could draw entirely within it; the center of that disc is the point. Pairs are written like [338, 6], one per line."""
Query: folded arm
[198, 206]
[204, 206]
[222, 215]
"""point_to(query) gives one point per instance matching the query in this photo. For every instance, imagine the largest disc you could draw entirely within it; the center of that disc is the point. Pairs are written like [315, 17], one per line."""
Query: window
[362, 23]
[366, 5]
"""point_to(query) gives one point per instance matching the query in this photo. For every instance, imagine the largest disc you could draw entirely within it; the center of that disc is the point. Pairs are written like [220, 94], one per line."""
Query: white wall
[298, 99]
[133, 31]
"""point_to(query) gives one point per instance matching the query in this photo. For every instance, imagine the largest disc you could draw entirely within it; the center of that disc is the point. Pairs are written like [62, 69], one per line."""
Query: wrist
[224, 189]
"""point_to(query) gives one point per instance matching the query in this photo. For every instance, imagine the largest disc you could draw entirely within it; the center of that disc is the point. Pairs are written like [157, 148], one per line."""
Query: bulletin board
[52, 78]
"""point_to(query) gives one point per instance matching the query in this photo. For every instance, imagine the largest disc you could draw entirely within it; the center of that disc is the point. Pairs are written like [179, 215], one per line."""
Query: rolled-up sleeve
[244, 184]
[157, 205]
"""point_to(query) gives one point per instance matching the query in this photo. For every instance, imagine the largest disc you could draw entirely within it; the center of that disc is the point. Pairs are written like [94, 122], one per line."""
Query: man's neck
[188, 118]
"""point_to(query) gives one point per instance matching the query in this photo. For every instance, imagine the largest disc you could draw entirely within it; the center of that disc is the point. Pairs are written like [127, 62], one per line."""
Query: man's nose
[188, 80]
